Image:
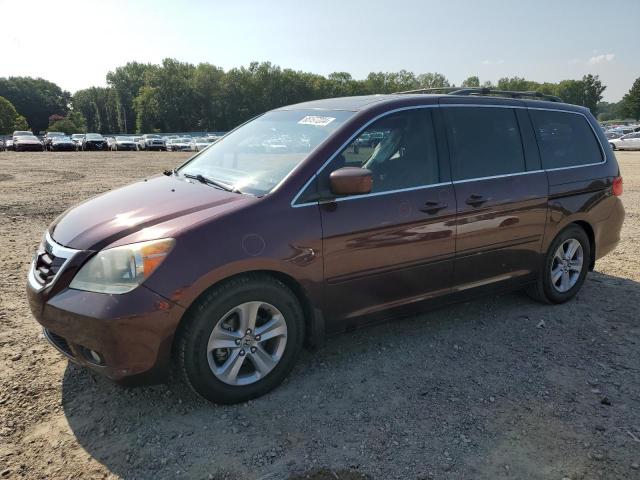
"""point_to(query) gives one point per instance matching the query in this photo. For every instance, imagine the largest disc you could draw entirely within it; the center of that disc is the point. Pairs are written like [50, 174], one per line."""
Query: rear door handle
[433, 207]
[476, 200]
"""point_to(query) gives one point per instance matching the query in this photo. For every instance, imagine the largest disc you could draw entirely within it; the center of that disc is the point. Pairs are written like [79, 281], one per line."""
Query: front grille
[59, 342]
[47, 266]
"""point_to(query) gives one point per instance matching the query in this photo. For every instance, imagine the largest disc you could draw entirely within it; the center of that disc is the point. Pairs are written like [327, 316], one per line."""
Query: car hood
[107, 218]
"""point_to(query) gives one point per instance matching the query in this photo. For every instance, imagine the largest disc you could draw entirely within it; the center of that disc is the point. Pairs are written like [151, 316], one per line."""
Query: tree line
[179, 96]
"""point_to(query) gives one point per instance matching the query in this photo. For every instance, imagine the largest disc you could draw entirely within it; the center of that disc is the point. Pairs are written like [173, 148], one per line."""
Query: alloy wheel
[567, 265]
[247, 343]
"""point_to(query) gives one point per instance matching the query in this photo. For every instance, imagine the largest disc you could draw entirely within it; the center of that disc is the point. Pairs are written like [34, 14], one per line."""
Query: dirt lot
[496, 388]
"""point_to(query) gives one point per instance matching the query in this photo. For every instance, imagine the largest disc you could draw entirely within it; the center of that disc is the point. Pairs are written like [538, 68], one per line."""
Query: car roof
[365, 102]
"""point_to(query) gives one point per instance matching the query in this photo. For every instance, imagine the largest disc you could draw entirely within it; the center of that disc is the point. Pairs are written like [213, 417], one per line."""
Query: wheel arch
[313, 318]
[588, 229]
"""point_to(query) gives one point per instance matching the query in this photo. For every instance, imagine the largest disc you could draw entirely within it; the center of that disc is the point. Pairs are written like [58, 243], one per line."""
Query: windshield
[257, 156]
[93, 136]
[123, 139]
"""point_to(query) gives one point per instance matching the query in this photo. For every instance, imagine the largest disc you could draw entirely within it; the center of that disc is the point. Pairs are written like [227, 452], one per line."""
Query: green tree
[593, 90]
[472, 81]
[10, 119]
[147, 106]
[432, 80]
[74, 122]
[517, 83]
[127, 81]
[101, 109]
[631, 101]
[35, 98]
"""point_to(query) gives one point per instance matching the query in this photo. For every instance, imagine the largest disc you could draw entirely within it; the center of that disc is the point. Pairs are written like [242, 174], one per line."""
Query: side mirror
[351, 181]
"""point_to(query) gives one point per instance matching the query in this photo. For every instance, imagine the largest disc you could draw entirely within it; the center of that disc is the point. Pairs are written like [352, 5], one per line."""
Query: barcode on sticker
[318, 121]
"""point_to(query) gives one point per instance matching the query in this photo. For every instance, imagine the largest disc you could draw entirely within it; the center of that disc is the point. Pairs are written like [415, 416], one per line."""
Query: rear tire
[218, 317]
[560, 280]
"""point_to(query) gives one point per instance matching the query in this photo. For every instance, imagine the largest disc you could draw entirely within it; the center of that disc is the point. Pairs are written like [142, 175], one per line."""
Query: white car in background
[200, 143]
[630, 141]
[179, 145]
[77, 139]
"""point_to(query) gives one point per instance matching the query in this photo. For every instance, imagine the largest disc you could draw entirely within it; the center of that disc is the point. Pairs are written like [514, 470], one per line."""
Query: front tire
[565, 267]
[241, 339]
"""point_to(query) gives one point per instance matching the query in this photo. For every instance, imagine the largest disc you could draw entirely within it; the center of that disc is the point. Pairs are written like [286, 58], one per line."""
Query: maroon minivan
[318, 217]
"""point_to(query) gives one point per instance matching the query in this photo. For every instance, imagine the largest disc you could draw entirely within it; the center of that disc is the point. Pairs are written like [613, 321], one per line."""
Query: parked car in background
[611, 134]
[200, 143]
[2, 146]
[49, 136]
[94, 141]
[21, 133]
[77, 139]
[28, 143]
[121, 142]
[8, 144]
[62, 144]
[152, 141]
[630, 141]
[179, 145]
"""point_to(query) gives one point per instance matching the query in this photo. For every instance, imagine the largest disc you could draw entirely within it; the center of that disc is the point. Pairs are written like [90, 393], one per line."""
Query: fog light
[92, 356]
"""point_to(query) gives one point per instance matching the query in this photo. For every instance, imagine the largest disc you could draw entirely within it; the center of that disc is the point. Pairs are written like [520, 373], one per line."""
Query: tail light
[617, 186]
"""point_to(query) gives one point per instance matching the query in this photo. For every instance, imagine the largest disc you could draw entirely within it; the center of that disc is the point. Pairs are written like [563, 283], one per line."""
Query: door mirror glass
[351, 181]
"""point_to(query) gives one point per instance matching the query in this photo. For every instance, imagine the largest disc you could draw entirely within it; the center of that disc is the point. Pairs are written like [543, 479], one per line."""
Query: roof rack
[481, 91]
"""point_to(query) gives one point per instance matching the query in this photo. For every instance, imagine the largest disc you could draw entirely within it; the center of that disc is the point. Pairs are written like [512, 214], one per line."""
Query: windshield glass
[93, 136]
[123, 139]
[257, 156]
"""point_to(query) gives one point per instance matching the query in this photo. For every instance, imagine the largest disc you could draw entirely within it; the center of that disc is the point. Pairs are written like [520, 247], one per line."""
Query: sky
[75, 43]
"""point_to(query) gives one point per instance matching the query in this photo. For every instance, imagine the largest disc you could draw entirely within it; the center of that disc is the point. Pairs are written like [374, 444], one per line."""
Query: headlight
[121, 269]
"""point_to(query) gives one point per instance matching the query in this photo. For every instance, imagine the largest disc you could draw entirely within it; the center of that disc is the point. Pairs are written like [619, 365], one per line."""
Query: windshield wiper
[202, 179]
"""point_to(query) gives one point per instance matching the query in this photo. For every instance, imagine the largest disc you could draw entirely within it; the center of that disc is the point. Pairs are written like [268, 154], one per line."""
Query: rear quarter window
[565, 139]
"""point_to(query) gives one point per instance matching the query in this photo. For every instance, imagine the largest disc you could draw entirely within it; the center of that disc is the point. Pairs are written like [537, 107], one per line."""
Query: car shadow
[446, 391]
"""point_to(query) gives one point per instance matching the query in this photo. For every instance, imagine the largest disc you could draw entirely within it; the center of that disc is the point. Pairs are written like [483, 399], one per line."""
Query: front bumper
[126, 146]
[132, 333]
[65, 147]
[30, 147]
[95, 146]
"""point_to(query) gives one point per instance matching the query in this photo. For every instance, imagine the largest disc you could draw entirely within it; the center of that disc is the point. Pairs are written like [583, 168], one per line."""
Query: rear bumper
[608, 231]
[132, 333]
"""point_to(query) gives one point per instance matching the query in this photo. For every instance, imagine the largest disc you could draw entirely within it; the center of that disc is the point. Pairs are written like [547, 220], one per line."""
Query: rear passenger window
[565, 139]
[484, 142]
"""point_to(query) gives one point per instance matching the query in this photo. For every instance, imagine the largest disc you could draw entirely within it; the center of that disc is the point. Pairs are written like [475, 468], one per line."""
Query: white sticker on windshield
[316, 120]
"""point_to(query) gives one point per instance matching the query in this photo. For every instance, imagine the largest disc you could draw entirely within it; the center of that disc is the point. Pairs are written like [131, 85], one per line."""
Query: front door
[395, 246]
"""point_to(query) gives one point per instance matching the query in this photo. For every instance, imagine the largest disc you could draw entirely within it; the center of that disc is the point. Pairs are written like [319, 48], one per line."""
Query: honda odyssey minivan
[369, 208]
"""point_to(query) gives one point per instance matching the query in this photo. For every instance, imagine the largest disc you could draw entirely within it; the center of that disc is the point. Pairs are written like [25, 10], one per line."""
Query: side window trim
[449, 182]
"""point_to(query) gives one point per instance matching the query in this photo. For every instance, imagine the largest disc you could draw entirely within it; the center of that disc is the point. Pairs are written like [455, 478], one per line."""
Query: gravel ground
[495, 388]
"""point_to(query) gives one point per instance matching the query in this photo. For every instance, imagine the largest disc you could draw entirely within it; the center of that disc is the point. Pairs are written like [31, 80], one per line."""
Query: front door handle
[476, 200]
[433, 207]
